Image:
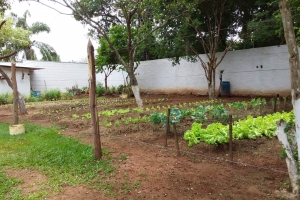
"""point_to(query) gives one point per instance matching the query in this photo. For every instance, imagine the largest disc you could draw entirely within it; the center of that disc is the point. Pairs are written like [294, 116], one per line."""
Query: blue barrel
[36, 94]
[225, 89]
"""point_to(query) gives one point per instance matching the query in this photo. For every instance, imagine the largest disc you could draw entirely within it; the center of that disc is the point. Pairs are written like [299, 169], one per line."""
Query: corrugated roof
[20, 65]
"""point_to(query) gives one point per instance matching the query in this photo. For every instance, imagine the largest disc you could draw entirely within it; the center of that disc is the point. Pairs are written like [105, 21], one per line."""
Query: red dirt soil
[200, 172]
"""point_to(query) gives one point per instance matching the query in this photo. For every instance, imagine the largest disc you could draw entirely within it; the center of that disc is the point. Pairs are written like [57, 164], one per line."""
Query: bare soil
[152, 171]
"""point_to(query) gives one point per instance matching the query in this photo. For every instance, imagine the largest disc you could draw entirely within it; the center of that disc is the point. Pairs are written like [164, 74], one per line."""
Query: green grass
[63, 160]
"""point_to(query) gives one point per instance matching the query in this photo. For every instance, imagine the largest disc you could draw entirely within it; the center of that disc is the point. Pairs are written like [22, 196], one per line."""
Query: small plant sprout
[75, 116]
[117, 122]
[284, 101]
[272, 101]
[106, 123]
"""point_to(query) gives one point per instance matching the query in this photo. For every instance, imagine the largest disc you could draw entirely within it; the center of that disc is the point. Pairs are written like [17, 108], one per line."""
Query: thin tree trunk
[135, 88]
[22, 106]
[294, 65]
[105, 82]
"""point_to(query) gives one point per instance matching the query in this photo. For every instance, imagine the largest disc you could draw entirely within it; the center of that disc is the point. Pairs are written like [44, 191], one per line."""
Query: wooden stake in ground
[15, 92]
[93, 102]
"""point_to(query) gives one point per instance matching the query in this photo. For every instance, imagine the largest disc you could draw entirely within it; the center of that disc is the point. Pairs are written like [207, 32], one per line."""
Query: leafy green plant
[199, 114]
[100, 89]
[53, 95]
[117, 122]
[219, 113]
[75, 116]
[6, 98]
[237, 105]
[250, 128]
[107, 123]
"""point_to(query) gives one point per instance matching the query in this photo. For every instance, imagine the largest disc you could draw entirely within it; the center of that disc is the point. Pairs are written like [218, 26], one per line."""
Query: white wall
[159, 76]
[23, 84]
[56, 75]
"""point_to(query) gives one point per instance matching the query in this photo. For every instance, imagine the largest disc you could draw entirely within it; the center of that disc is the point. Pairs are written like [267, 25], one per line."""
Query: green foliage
[66, 96]
[100, 90]
[6, 98]
[12, 38]
[250, 128]
[53, 95]
[199, 114]
[157, 118]
[64, 160]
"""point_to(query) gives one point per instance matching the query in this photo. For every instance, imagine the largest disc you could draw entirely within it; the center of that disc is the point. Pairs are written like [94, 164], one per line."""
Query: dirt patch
[32, 180]
[148, 170]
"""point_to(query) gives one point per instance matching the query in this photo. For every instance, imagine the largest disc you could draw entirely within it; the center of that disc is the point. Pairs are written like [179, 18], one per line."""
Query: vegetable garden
[202, 126]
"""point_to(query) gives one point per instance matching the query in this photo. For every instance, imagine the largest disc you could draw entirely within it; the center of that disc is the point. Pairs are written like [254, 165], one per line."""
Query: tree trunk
[20, 99]
[105, 82]
[294, 64]
[135, 88]
[211, 82]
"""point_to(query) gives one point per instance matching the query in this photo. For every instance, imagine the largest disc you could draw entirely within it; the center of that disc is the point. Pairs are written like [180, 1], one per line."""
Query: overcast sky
[67, 36]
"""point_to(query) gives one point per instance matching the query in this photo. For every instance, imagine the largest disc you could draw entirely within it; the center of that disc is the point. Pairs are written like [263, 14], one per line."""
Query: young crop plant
[199, 114]
[107, 123]
[122, 111]
[75, 116]
[117, 122]
[144, 119]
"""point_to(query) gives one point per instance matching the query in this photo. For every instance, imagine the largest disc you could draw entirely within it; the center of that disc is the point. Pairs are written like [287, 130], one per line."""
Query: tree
[204, 30]
[101, 15]
[291, 42]
[12, 38]
[106, 62]
[48, 52]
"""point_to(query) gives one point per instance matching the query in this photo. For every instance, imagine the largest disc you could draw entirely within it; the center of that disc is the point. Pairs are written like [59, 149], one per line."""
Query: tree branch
[9, 55]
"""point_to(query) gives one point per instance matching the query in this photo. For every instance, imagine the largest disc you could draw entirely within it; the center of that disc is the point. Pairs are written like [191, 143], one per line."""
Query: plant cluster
[250, 128]
[53, 95]
[6, 98]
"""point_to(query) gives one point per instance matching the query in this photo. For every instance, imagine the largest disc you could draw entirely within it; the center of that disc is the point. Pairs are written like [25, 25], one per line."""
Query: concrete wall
[22, 81]
[57, 75]
[258, 71]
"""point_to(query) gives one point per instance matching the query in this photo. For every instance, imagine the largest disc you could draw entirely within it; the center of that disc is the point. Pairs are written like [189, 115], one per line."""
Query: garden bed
[151, 171]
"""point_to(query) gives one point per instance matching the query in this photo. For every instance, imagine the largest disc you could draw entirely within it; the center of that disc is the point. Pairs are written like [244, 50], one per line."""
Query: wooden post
[15, 92]
[176, 140]
[167, 127]
[93, 102]
[230, 138]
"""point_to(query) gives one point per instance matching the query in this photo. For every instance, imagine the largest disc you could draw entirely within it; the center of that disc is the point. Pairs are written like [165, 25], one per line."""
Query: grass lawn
[64, 161]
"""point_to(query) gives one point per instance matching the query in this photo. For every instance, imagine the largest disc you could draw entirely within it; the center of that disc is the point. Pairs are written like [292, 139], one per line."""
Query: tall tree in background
[101, 15]
[106, 61]
[48, 52]
[205, 30]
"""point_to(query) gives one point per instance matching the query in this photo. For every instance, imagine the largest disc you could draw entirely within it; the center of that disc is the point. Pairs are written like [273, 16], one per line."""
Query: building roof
[20, 65]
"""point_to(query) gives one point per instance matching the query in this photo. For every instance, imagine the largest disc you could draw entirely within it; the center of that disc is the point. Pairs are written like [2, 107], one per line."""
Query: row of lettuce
[211, 124]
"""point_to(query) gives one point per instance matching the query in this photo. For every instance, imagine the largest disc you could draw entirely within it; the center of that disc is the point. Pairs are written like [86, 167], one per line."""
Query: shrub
[100, 89]
[120, 89]
[53, 95]
[31, 99]
[67, 96]
[6, 98]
